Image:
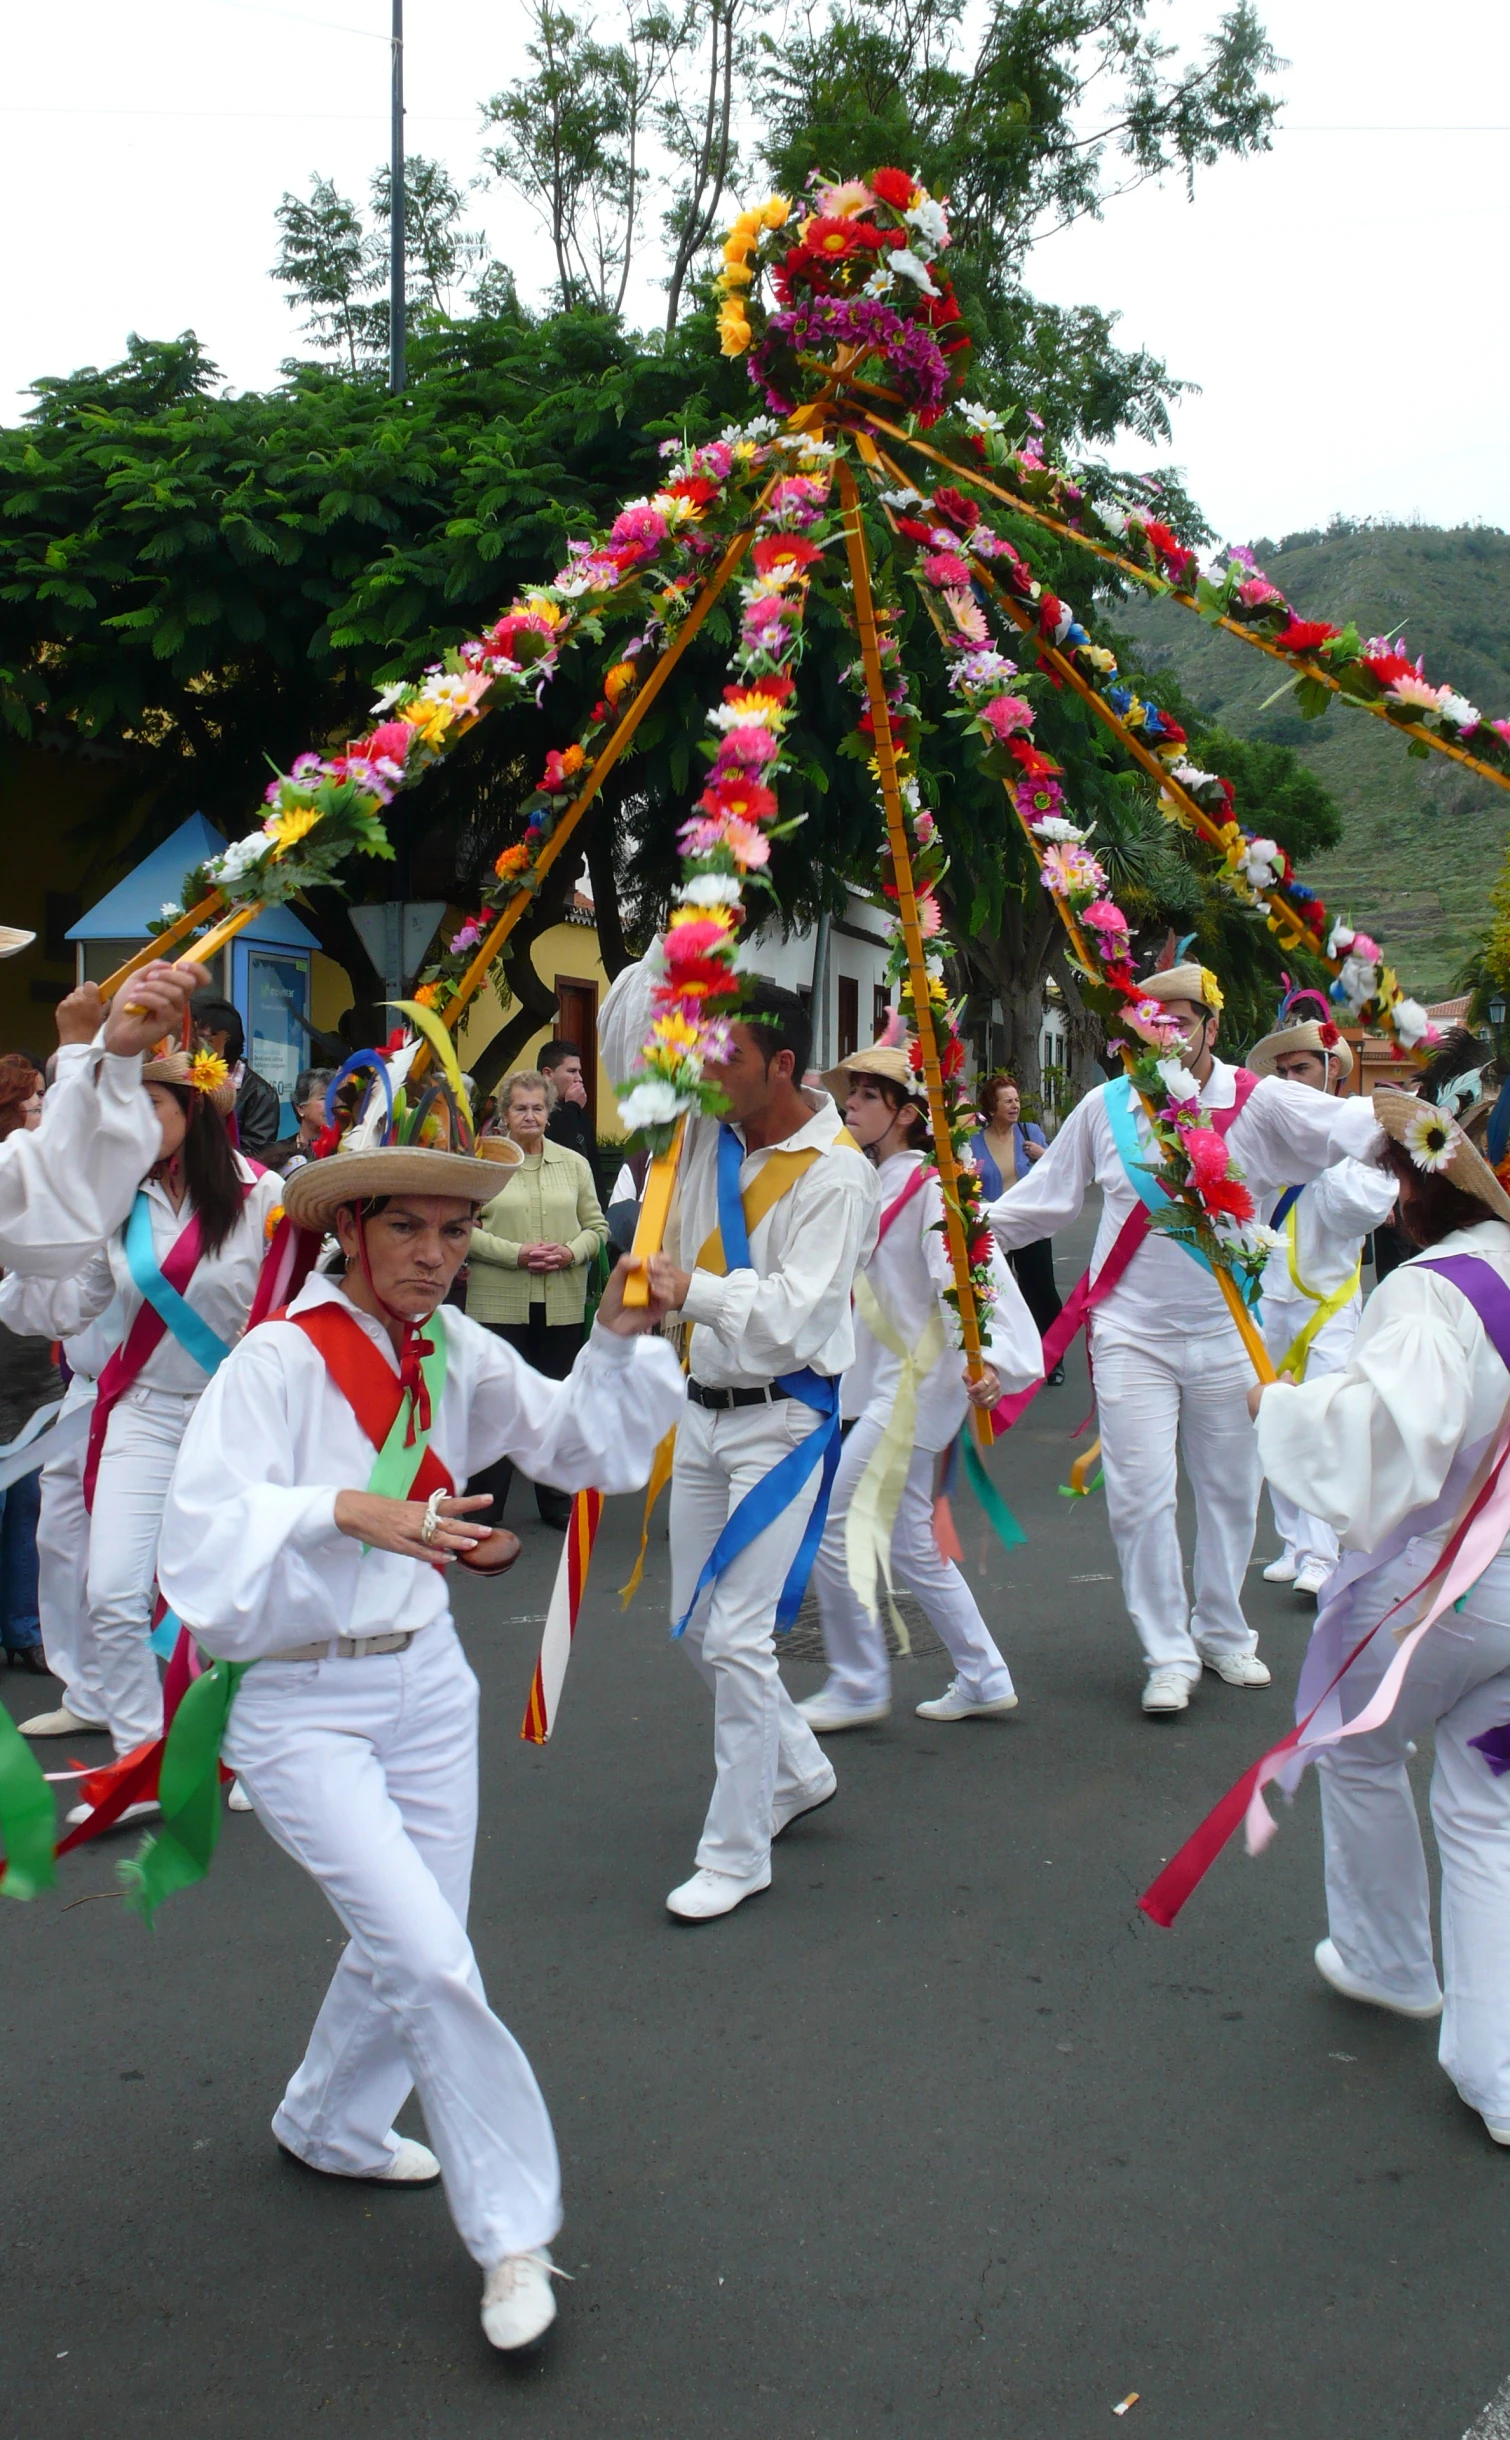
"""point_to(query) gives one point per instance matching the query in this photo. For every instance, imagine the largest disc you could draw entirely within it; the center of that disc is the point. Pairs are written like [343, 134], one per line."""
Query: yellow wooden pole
[917, 968]
[161, 944]
[655, 1208]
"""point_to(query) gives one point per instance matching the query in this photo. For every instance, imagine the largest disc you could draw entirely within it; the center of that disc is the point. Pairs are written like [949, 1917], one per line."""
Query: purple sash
[1490, 1298]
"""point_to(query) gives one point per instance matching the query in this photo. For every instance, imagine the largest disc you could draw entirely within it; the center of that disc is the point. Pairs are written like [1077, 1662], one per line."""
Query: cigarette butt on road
[1131, 2399]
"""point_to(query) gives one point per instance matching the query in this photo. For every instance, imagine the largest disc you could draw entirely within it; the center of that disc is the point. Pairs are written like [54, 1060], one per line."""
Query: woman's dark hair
[1436, 1207]
[19, 1079]
[897, 1097]
[209, 1167]
[989, 1091]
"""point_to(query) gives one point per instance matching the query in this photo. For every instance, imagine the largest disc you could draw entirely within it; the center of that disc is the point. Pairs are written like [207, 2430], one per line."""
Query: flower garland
[726, 843]
[1210, 1210]
[862, 280]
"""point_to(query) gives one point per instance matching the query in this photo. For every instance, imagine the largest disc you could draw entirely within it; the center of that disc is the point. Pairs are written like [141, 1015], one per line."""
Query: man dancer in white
[355, 1734]
[810, 1205]
[1393, 1450]
[1171, 1373]
[893, 1380]
[1313, 1285]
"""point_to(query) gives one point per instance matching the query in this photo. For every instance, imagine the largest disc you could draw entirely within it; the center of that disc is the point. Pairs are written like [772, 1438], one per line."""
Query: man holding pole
[778, 1211]
[1171, 1375]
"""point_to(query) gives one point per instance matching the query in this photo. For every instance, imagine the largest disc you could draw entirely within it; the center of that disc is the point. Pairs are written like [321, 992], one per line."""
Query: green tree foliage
[335, 265]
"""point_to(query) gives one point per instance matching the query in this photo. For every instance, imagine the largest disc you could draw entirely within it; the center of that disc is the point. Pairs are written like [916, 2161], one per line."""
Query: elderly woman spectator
[1005, 1150]
[292, 1151]
[532, 1249]
[28, 1379]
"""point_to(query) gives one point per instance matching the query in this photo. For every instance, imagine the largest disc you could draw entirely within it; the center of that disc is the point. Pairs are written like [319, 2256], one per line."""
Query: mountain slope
[1423, 841]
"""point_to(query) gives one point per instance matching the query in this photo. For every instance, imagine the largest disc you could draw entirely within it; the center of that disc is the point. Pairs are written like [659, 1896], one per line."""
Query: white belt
[343, 1648]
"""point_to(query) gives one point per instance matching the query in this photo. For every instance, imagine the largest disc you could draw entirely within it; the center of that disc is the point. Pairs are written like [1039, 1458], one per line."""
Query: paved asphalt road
[940, 2137]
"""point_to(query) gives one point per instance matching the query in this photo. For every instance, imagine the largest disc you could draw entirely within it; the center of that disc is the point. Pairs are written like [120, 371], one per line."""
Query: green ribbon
[1003, 1523]
[28, 1822]
[399, 1459]
[1067, 1491]
[188, 1789]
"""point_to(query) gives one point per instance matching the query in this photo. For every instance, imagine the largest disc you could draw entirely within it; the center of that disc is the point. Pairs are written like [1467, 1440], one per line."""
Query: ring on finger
[432, 1518]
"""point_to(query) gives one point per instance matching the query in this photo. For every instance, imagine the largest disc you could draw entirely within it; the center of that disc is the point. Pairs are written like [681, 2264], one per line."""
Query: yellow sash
[775, 1178]
[877, 1496]
[1292, 1364]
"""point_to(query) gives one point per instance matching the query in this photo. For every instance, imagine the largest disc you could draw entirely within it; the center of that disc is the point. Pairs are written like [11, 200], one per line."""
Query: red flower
[832, 240]
[914, 529]
[1387, 666]
[942, 310]
[956, 508]
[392, 738]
[894, 186]
[1167, 546]
[1050, 611]
[1034, 764]
[738, 799]
[775, 689]
[693, 487]
[1230, 1198]
[952, 1057]
[1329, 1036]
[1170, 731]
[775, 554]
[1304, 634]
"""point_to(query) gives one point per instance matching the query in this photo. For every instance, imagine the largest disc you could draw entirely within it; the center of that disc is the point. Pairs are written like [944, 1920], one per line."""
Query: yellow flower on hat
[1215, 997]
[207, 1071]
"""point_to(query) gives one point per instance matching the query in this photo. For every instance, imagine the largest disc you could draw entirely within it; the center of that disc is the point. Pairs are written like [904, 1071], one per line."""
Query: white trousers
[1159, 1401]
[365, 1771]
[63, 1571]
[1308, 1540]
[859, 1663]
[1378, 1902]
[762, 1746]
[136, 1465]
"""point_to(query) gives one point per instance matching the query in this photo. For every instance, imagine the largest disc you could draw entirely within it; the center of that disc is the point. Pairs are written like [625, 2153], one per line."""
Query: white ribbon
[877, 1495]
[39, 1440]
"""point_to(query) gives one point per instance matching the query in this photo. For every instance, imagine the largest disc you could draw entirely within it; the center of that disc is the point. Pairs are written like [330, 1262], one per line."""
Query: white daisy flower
[1177, 1081]
[1431, 1139]
[912, 267]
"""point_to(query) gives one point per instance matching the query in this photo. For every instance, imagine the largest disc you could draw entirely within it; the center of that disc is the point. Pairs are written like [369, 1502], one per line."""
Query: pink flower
[748, 748]
[641, 529]
[1071, 872]
[1363, 947]
[929, 918]
[391, 740]
[467, 938]
[1153, 1022]
[1109, 924]
[768, 620]
[943, 568]
[686, 942]
[1007, 715]
[925, 829]
[1255, 592]
[747, 844]
[1501, 730]
[968, 616]
[1207, 1155]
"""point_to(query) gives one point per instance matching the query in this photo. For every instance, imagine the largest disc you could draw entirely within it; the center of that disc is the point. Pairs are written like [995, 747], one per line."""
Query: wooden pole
[161, 943]
[917, 968]
[655, 1209]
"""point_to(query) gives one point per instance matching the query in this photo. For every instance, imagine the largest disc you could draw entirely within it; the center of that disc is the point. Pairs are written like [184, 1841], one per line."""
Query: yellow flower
[540, 607]
[429, 721]
[737, 275]
[289, 828]
[746, 224]
[675, 1036]
[270, 1224]
[737, 246]
[619, 680]
[1214, 996]
[207, 1071]
[776, 212]
[428, 995]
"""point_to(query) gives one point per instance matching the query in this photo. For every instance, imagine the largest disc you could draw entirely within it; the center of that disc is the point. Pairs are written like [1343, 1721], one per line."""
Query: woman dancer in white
[908, 1373]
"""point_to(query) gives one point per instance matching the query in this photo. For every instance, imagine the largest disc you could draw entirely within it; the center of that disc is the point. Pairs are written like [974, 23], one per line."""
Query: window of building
[849, 1017]
[880, 1010]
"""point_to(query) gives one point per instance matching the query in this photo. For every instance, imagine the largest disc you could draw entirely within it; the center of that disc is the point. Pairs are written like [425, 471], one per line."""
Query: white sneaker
[1235, 1668]
[1313, 1579]
[1167, 1690]
[788, 1809]
[1282, 1569]
[412, 2164]
[713, 1893]
[952, 1705]
[825, 1716]
[62, 1723]
[238, 1801]
[1331, 1969]
[1496, 2134]
[146, 1811]
[518, 2302]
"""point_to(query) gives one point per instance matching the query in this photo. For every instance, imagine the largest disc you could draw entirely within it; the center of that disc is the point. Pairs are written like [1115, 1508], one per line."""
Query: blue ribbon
[354, 1066]
[1121, 1101]
[192, 1333]
[777, 1490]
[1286, 1205]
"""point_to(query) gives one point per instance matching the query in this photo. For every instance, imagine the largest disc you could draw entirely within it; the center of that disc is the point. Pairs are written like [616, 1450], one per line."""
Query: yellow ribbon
[877, 1495]
[1293, 1361]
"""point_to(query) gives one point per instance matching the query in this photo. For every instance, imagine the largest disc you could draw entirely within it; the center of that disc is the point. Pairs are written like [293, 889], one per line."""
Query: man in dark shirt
[568, 1123]
[218, 1028]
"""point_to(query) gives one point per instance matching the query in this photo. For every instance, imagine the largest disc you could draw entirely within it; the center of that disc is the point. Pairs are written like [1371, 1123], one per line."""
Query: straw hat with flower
[384, 1150]
[1439, 1147]
[194, 1072]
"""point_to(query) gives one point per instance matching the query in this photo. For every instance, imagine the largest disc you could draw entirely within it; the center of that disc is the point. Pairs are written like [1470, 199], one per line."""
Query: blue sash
[1121, 1104]
[762, 1506]
[194, 1336]
[1286, 1205]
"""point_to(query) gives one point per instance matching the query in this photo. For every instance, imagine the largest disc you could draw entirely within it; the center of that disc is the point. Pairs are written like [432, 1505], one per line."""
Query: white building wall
[849, 1010]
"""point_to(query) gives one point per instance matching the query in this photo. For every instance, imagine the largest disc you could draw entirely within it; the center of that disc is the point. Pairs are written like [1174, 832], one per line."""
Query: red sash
[914, 1186]
[179, 1266]
[373, 1392]
[1087, 1293]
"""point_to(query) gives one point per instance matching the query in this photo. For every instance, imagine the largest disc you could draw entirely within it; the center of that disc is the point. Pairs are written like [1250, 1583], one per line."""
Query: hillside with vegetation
[1423, 841]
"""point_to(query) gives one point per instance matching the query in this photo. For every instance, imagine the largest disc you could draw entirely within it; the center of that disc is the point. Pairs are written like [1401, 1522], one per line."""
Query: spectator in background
[1005, 1150]
[258, 1111]
[568, 1123]
[531, 1252]
[28, 1379]
[292, 1151]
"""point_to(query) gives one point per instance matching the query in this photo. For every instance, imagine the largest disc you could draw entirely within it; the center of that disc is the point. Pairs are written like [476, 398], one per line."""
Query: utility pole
[396, 212]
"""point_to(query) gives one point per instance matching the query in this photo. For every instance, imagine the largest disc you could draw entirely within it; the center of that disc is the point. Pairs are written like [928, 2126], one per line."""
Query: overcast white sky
[1341, 302]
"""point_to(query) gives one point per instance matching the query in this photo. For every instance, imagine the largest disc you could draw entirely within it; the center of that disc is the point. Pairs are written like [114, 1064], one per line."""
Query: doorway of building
[577, 1021]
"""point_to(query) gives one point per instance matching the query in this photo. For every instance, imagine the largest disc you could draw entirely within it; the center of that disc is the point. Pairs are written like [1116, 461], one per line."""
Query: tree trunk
[1087, 1034]
[1012, 963]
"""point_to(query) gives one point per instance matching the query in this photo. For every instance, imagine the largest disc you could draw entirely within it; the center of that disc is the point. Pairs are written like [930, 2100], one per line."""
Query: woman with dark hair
[1404, 1452]
[28, 1378]
[185, 1270]
[21, 1087]
[1005, 1150]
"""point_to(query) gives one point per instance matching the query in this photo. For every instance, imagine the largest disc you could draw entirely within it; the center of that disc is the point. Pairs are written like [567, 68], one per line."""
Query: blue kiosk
[265, 972]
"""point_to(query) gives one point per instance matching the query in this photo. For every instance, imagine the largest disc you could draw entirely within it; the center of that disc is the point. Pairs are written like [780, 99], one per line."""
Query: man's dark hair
[554, 1052]
[783, 1024]
[1431, 1206]
[220, 1017]
[310, 1081]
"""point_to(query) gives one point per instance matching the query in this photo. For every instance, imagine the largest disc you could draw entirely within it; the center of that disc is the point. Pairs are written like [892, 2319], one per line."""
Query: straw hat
[1194, 983]
[888, 1059]
[1307, 1034]
[178, 1067]
[1425, 1130]
[13, 942]
[313, 1194]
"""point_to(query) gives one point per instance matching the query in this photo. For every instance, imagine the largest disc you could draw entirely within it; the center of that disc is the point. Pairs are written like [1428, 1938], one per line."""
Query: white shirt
[1364, 1446]
[66, 1184]
[1332, 1217]
[220, 1291]
[1285, 1133]
[50, 1309]
[250, 1551]
[909, 1271]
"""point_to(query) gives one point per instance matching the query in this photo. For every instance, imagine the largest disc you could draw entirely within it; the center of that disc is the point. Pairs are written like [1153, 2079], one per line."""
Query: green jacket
[549, 1199]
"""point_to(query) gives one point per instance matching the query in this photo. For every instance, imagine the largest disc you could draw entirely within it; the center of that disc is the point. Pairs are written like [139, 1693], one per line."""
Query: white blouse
[1332, 1217]
[1365, 1446]
[64, 1185]
[250, 1551]
[909, 1271]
